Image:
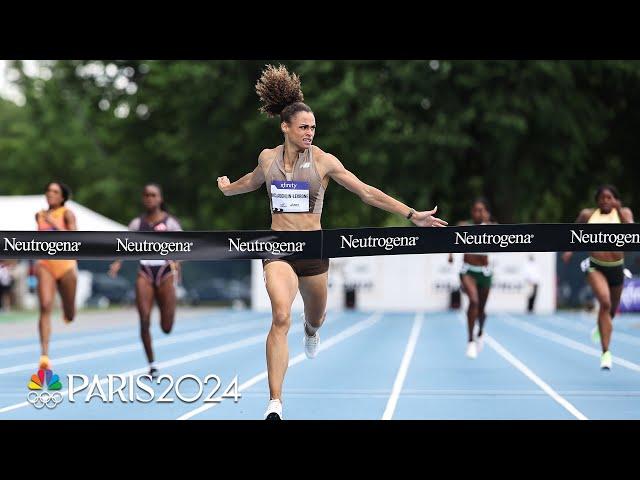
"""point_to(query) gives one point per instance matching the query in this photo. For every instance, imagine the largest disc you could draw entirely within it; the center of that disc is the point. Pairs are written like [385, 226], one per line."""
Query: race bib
[289, 196]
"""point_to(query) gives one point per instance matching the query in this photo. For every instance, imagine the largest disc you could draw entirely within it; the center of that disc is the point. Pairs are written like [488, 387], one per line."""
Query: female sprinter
[156, 278]
[605, 270]
[52, 275]
[307, 168]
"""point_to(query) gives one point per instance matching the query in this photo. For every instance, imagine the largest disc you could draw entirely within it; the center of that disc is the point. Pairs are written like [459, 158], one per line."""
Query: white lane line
[565, 322]
[93, 339]
[108, 334]
[324, 345]
[404, 367]
[567, 342]
[176, 361]
[526, 371]
[185, 337]
[184, 359]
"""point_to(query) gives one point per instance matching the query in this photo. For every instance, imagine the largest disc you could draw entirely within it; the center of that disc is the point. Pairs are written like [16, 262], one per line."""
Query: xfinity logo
[617, 239]
[50, 248]
[493, 239]
[259, 246]
[388, 243]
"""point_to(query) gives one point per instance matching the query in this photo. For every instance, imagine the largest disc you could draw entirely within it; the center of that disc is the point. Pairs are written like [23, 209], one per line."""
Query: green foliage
[535, 137]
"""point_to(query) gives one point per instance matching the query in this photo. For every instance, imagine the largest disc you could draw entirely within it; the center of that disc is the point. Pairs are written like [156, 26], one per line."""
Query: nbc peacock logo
[44, 388]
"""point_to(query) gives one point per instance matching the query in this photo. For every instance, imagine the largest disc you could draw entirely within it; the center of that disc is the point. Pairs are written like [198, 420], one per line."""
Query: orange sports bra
[57, 217]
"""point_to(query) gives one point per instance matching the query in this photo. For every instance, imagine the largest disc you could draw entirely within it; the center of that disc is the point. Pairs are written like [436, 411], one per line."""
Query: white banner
[425, 282]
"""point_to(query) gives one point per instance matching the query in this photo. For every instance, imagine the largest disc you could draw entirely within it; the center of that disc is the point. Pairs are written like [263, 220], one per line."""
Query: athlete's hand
[49, 219]
[223, 182]
[426, 219]
[450, 259]
[617, 204]
[114, 268]
[566, 256]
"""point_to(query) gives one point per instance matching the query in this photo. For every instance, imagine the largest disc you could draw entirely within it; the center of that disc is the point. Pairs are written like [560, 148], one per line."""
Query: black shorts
[5, 288]
[303, 267]
[156, 273]
[613, 273]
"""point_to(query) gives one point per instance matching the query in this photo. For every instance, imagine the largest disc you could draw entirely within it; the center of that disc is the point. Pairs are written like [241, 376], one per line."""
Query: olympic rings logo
[44, 399]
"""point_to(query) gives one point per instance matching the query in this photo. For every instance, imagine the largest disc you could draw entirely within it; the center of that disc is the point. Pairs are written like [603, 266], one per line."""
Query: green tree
[535, 137]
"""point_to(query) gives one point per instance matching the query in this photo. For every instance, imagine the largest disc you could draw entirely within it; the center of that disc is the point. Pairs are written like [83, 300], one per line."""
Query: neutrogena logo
[261, 246]
[388, 243]
[503, 240]
[50, 248]
[145, 246]
[41, 387]
[617, 239]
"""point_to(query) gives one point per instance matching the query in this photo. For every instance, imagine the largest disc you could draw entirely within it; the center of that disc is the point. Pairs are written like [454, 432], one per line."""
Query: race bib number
[290, 197]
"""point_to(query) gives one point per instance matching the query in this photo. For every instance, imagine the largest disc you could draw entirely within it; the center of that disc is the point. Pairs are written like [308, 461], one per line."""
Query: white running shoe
[274, 410]
[311, 344]
[472, 350]
[479, 343]
[606, 360]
